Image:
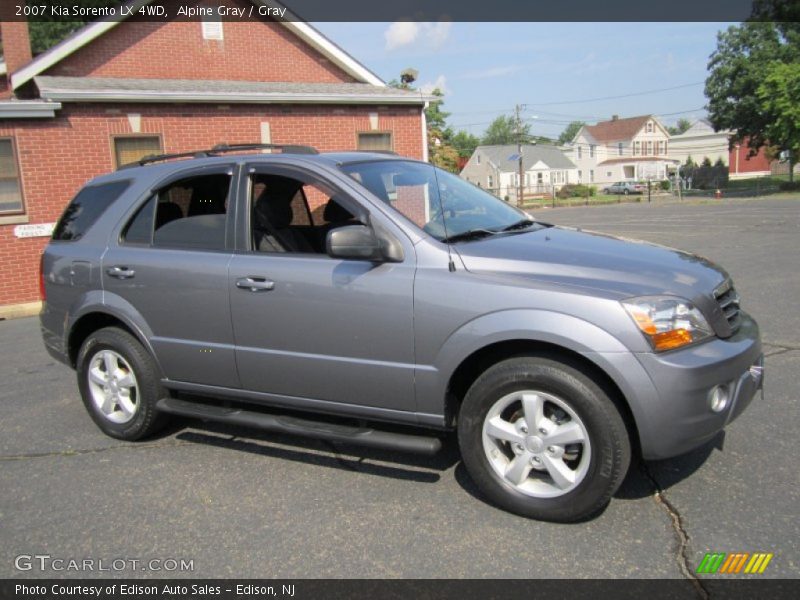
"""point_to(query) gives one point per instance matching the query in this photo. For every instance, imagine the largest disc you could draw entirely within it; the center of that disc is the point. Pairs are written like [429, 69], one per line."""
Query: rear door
[169, 264]
[309, 326]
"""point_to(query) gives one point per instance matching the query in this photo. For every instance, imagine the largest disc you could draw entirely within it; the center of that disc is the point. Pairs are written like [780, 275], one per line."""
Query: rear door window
[190, 213]
[84, 210]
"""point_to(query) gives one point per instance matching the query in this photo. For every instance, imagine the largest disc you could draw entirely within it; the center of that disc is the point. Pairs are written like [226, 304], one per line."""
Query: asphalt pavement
[238, 503]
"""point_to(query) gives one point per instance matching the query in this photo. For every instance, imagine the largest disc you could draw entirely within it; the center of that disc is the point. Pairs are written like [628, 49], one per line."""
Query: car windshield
[440, 203]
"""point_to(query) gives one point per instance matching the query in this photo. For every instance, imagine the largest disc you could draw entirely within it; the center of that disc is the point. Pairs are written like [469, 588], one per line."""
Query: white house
[700, 141]
[496, 168]
[632, 149]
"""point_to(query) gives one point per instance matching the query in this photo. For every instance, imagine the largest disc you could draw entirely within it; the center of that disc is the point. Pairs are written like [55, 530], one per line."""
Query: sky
[561, 72]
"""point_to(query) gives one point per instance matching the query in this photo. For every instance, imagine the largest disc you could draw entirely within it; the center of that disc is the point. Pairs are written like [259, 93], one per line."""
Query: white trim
[67, 95]
[3, 69]
[70, 45]
[424, 120]
[94, 30]
[28, 109]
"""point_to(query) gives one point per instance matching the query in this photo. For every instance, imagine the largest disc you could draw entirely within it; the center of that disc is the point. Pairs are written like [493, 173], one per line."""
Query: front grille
[728, 301]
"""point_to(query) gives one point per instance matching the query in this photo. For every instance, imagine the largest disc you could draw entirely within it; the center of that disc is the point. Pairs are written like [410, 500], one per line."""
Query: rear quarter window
[85, 208]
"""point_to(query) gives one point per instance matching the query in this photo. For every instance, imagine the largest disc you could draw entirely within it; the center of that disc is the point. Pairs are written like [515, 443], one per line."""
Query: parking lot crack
[79, 452]
[681, 535]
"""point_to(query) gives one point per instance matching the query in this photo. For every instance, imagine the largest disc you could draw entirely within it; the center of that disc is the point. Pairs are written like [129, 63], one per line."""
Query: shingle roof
[188, 90]
[617, 129]
[506, 156]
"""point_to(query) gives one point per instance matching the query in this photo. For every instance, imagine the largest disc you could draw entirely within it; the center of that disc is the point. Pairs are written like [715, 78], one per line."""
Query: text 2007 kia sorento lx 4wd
[243, 288]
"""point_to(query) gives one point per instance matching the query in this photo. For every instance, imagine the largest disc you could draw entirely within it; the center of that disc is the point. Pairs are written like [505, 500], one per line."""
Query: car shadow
[644, 478]
[647, 477]
[337, 455]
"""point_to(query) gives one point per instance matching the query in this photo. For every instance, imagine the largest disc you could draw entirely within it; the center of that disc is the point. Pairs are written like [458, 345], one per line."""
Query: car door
[167, 264]
[310, 327]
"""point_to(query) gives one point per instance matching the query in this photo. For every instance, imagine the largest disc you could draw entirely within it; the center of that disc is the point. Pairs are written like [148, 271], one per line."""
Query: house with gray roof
[496, 168]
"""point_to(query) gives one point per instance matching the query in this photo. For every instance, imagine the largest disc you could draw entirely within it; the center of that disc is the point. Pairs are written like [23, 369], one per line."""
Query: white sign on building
[34, 230]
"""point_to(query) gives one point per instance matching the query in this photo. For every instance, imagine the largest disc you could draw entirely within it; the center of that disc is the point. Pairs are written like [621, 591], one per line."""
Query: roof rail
[285, 148]
[151, 158]
[220, 149]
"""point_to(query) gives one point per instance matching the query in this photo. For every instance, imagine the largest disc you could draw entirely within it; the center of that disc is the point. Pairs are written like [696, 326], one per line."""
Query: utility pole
[518, 110]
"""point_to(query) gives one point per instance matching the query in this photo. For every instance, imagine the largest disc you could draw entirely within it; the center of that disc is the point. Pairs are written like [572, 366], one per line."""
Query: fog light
[718, 398]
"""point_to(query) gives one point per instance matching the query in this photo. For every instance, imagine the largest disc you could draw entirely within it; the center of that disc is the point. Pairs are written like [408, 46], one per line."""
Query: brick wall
[250, 51]
[57, 156]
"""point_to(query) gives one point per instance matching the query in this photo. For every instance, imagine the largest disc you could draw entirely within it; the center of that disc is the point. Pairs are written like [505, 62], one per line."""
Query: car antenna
[450, 264]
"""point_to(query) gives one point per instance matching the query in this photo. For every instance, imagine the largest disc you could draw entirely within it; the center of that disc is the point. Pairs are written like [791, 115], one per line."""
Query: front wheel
[542, 440]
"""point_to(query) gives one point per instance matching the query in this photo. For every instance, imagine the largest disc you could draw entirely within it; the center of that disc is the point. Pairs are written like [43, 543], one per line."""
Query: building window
[591, 175]
[212, 30]
[619, 148]
[636, 147]
[131, 149]
[608, 174]
[375, 141]
[649, 127]
[490, 182]
[479, 158]
[649, 148]
[665, 147]
[10, 186]
[579, 152]
[591, 150]
[580, 174]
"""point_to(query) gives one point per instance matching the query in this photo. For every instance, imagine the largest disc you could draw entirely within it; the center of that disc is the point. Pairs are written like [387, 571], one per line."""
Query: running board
[362, 436]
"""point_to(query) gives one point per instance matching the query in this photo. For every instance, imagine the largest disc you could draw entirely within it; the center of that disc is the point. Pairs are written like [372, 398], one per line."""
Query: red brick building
[114, 92]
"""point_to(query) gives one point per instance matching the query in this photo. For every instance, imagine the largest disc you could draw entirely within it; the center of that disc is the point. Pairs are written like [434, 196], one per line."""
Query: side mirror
[360, 242]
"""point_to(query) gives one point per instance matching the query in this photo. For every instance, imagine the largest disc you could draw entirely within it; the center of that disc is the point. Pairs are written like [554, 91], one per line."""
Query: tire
[124, 408]
[626, 192]
[587, 473]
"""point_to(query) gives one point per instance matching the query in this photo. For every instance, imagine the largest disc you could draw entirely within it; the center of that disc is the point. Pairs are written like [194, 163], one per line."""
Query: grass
[582, 201]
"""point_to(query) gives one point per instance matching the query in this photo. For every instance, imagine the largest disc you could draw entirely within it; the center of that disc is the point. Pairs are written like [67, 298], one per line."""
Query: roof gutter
[28, 109]
[62, 95]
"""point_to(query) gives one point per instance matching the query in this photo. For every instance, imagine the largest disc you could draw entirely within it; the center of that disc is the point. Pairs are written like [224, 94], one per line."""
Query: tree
[570, 132]
[465, 143]
[779, 93]
[739, 93]
[503, 130]
[680, 127]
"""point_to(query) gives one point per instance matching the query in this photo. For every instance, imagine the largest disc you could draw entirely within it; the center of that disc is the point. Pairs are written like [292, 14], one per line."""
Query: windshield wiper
[521, 224]
[470, 234]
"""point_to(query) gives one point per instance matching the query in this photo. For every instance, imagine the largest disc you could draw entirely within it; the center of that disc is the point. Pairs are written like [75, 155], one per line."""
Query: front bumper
[682, 419]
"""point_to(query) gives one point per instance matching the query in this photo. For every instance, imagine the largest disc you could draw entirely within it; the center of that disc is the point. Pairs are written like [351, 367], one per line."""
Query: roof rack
[220, 149]
[285, 148]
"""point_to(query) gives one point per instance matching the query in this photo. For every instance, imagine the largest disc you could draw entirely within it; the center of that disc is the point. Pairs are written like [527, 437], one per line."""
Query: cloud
[405, 33]
[438, 33]
[401, 33]
[439, 83]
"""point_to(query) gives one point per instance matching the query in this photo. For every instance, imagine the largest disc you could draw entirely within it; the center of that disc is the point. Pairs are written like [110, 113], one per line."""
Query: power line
[677, 87]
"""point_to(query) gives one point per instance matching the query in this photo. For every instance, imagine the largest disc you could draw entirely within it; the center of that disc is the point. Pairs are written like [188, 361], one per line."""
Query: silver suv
[376, 300]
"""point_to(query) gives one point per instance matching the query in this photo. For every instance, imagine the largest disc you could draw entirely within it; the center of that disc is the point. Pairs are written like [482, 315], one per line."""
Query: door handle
[121, 272]
[255, 284]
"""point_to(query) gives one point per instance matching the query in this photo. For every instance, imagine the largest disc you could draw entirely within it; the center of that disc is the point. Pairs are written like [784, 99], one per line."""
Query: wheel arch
[94, 317]
[479, 361]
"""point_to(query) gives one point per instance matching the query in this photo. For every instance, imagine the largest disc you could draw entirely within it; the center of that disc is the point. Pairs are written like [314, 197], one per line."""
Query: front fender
[559, 329]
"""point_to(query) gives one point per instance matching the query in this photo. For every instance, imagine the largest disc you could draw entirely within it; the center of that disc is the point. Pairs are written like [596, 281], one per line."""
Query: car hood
[618, 266]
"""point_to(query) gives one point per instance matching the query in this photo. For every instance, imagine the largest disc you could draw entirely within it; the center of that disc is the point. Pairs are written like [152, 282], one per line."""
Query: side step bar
[362, 436]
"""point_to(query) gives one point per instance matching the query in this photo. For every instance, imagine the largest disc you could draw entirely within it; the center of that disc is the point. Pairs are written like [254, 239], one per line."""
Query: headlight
[668, 322]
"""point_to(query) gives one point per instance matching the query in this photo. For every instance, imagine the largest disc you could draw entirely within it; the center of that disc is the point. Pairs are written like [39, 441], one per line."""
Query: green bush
[789, 186]
[576, 190]
[664, 185]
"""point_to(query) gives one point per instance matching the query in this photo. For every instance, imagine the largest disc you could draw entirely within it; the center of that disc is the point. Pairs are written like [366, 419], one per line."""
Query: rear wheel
[542, 440]
[626, 192]
[119, 384]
